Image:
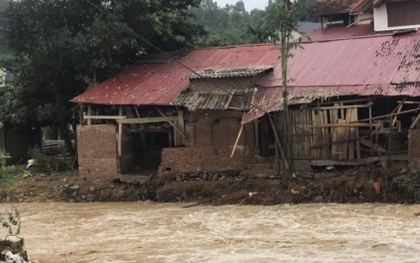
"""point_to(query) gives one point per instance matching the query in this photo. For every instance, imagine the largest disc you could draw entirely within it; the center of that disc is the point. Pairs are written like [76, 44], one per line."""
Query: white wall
[380, 20]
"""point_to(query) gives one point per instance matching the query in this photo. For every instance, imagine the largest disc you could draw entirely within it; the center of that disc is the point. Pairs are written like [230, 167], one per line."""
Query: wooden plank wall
[317, 132]
[335, 142]
[300, 120]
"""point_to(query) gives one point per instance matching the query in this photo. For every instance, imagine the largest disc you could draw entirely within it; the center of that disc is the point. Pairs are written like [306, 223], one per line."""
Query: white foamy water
[150, 232]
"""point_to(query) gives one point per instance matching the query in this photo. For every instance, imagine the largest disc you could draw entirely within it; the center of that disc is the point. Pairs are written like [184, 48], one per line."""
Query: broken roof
[381, 65]
[230, 72]
[332, 7]
[160, 84]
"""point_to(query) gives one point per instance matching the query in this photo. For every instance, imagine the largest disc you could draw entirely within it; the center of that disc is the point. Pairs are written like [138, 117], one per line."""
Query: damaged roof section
[383, 65]
[331, 7]
[216, 100]
[155, 82]
[230, 73]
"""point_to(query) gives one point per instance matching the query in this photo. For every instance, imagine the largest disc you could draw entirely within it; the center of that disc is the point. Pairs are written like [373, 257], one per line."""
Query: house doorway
[147, 151]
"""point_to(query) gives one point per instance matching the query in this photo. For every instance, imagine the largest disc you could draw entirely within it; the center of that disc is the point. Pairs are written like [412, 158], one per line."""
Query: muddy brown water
[150, 232]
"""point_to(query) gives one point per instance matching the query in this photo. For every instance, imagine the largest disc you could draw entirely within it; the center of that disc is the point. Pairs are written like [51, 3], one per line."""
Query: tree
[65, 44]
[283, 19]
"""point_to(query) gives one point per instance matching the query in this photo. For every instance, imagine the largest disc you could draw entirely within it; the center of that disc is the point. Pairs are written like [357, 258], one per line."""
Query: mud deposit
[151, 232]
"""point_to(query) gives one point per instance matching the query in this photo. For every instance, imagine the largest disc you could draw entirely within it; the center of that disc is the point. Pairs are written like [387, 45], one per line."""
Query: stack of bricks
[97, 155]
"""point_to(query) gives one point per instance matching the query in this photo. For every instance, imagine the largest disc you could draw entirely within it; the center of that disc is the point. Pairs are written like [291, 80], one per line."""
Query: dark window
[403, 13]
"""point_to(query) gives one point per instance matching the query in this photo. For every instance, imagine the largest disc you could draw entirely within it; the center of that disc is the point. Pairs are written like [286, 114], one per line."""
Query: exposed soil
[391, 184]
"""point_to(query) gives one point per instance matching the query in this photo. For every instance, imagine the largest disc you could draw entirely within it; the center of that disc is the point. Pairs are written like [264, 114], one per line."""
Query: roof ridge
[226, 47]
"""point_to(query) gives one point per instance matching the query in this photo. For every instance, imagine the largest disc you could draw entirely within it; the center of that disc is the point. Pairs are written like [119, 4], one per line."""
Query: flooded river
[150, 232]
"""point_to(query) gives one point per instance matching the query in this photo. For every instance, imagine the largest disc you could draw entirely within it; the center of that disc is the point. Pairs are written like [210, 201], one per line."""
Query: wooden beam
[89, 113]
[394, 121]
[390, 115]
[237, 141]
[344, 101]
[415, 122]
[148, 120]
[408, 102]
[171, 122]
[104, 117]
[337, 125]
[341, 107]
[373, 146]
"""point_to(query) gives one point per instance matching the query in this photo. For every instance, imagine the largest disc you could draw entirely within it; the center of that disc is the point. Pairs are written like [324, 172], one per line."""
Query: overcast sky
[249, 4]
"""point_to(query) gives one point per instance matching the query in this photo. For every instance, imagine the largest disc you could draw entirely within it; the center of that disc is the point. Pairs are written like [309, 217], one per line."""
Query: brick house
[159, 116]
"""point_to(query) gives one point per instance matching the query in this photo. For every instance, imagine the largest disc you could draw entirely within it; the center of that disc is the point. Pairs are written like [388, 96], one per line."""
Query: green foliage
[3, 26]
[64, 46]
[7, 172]
[232, 24]
[47, 164]
[11, 221]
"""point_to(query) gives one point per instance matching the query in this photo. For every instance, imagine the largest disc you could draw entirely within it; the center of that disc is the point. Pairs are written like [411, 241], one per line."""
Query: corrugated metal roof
[369, 66]
[335, 33]
[160, 84]
[230, 72]
[331, 7]
[349, 62]
[215, 100]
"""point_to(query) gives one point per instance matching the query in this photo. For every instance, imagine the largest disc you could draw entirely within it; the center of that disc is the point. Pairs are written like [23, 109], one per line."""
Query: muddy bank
[375, 183]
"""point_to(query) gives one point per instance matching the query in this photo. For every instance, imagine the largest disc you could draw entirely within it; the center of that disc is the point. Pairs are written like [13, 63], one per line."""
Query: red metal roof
[334, 33]
[160, 84]
[369, 66]
[331, 7]
[349, 62]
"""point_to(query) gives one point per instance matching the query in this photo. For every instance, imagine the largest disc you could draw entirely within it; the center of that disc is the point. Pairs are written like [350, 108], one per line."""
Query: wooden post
[277, 139]
[120, 135]
[371, 128]
[256, 137]
[237, 141]
[181, 125]
[89, 113]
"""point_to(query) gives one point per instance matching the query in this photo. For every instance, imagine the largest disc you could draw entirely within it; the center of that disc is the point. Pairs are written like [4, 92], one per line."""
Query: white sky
[249, 4]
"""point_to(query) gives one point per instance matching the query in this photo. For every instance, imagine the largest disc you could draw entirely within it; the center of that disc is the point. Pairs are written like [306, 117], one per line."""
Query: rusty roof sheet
[160, 84]
[348, 62]
[230, 72]
[331, 7]
[369, 66]
[215, 100]
[335, 33]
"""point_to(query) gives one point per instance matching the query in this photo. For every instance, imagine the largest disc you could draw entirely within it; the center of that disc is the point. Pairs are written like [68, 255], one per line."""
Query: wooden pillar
[181, 126]
[120, 134]
[89, 113]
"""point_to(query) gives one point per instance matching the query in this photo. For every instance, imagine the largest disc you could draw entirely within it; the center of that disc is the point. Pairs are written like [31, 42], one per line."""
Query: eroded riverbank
[152, 232]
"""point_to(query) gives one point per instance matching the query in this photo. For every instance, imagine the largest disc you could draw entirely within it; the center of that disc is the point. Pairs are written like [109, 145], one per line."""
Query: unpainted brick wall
[211, 145]
[414, 149]
[97, 154]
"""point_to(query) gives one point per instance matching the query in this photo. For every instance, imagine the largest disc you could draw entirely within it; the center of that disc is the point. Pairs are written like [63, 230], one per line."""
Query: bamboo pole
[237, 141]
